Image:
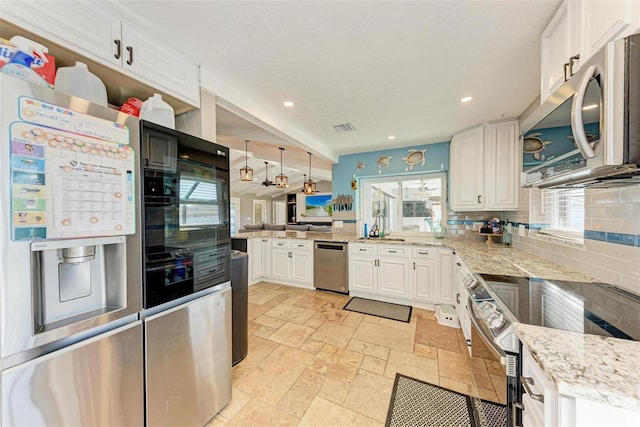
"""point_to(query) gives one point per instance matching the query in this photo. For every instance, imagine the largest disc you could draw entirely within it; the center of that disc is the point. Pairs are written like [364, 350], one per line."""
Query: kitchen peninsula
[584, 370]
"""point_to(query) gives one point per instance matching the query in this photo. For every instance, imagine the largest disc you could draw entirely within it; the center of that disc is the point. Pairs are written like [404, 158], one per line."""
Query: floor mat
[418, 403]
[380, 309]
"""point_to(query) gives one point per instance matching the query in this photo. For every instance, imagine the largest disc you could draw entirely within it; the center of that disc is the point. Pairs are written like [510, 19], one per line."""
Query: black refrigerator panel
[187, 241]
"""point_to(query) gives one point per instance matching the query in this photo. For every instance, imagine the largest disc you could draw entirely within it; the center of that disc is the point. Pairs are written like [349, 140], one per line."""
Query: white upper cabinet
[89, 30]
[503, 162]
[578, 30]
[467, 170]
[485, 168]
[558, 45]
[601, 21]
[154, 63]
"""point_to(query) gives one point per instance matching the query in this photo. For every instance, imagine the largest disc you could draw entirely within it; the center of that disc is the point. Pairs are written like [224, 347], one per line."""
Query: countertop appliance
[587, 133]
[330, 261]
[497, 302]
[187, 271]
[70, 276]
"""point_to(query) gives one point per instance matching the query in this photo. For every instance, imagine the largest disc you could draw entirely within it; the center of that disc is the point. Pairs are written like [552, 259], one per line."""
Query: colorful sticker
[28, 218]
[30, 233]
[27, 149]
[27, 163]
[31, 191]
[29, 204]
[28, 178]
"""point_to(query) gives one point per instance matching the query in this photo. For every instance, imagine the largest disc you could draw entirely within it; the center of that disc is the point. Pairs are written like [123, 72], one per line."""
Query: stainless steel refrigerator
[71, 342]
[186, 278]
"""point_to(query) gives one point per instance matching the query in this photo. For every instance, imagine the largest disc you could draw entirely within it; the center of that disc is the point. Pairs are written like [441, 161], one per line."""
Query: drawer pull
[423, 253]
[392, 252]
[118, 49]
[362, 250]
[526, 381]
[130, 50]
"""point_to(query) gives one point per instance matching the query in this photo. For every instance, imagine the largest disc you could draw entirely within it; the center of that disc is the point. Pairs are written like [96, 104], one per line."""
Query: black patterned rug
[417, 403]
[380, 309]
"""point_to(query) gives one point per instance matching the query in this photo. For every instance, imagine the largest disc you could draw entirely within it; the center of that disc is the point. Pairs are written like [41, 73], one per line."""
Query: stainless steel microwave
[587, 133]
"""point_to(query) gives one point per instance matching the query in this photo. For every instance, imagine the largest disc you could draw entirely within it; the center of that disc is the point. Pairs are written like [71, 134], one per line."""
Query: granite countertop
[592, 367]
[586, 366]
[480, 257]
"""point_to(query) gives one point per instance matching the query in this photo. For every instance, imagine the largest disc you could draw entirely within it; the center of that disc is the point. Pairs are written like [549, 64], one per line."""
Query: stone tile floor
[311, 363]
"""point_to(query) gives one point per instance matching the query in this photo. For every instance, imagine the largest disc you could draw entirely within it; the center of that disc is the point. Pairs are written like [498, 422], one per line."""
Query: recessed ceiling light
[288, 104]
[590, 107]
[466, 99]
[391, 137]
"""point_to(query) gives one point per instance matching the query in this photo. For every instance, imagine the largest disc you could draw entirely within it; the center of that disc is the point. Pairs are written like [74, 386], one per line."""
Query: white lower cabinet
[543, 405]
[421, 277]
[393, 275]
[258, 249]
[302, 261]
[445, 278]
[292, 261]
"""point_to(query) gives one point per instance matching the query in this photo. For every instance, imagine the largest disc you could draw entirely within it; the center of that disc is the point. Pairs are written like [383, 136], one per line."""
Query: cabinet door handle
[566, 73]
[414, 265]
[515, 407]
[479, 202]
[571, 61]
[118, 43]
[130, 50]
[525, 383]
[458, 298]
[458, 264]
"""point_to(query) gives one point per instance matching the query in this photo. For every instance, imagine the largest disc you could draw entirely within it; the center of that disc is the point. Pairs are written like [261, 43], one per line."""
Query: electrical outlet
[521, 230]
[338, 224]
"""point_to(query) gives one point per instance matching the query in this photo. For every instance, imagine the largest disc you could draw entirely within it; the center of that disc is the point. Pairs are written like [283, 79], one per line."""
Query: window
[198, 202]
[234, 208]
[408, 203]
[564, 213]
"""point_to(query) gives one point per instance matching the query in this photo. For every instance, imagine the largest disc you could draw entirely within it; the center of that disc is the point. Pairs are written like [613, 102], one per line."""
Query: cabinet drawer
[362, 250]
[537, 382]
[302, 245]
[424, 253]
[282, 244]
[393, 250]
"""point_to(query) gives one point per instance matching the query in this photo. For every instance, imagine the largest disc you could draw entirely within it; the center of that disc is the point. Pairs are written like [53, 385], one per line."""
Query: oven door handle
[486, 339]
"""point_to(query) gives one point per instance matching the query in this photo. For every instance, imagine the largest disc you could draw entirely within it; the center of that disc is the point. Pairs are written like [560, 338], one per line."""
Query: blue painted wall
[436, 160]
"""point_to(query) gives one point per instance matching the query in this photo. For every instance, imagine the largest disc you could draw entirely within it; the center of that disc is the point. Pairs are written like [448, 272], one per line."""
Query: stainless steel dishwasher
[330, 268]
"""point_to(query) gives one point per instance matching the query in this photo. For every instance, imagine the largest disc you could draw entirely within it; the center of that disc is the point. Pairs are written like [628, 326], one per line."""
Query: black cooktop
[588, 307]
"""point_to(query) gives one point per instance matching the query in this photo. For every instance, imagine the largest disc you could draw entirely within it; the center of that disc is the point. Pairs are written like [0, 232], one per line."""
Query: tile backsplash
[611, 249]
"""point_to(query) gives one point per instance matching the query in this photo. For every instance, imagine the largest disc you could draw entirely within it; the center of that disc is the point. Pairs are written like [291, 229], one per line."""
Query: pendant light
[246, 173]
[282, 181]
[309, 185]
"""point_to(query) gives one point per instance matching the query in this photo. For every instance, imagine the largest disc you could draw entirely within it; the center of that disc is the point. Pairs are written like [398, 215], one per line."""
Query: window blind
[564, 212]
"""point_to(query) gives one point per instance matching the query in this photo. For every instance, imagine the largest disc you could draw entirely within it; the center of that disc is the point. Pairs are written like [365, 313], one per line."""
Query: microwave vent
[345, 127]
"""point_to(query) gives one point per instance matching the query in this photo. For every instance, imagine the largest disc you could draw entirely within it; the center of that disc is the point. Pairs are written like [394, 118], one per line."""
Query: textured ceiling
[389, 67]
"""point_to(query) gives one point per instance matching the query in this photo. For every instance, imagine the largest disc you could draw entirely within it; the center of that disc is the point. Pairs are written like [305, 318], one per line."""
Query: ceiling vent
[345, 127]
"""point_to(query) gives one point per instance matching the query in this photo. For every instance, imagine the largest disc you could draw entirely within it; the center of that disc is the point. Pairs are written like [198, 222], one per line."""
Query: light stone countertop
[592, 367]
[480, 257]
[586, 366]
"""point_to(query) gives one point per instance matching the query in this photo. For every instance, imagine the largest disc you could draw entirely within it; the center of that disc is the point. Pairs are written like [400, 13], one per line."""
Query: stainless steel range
[496, 302]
